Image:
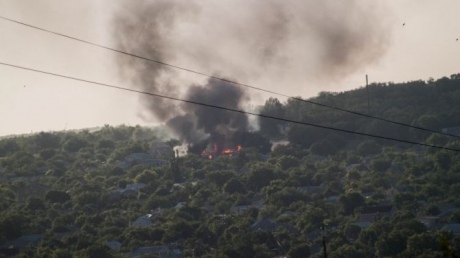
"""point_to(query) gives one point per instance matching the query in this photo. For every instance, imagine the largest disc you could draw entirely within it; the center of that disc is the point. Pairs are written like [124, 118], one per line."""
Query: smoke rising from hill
[292, 41]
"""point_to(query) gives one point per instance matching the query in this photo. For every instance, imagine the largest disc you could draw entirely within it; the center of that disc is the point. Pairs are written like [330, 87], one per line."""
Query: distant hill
[433, 104]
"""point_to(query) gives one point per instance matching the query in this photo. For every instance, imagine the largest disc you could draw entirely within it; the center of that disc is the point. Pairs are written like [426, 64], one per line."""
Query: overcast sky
[425, 47]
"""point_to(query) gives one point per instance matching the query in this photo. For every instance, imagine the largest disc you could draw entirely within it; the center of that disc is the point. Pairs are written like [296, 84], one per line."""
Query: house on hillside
[178, 186]
[162, 251]
[287, 214]
[405, 188]
[333, 199]
[114, 245]
[360, 167]
[374, 213]
[142, 222]
[257, 202]
[452, 227]
[264, 224]
[156, 212]
[391, 193]
[268, 225]
[353, 230]
[447, 209]
[135, 186]
[180, 205]
[244, 208]
[208, 208]
[129, 190]
[311, 189]
[240, 208]
[430, 222]
[13, 247]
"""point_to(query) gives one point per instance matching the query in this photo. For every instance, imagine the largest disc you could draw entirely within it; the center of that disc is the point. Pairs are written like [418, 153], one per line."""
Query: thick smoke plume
[280, 44]
[218, 124]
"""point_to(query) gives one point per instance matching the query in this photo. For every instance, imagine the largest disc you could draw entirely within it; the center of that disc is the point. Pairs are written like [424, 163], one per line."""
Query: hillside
[433, 105]
[123, 191]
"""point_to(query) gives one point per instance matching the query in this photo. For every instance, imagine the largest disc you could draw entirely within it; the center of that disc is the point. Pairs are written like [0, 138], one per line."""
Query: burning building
[213, 151]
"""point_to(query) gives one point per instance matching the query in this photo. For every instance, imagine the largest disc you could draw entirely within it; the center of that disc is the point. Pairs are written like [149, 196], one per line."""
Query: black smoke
[278, 43]
[201, 122]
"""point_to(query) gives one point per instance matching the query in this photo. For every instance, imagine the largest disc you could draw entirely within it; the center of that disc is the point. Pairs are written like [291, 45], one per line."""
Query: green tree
[34, 203]
[380, 165]
[61, 253]
[312, 219]
[12, 225]
[391, 244]
[443, 160]
[353, 175]
[96, 251]
[305, 135]
[253, 140]
[260, 175]
[299, 251]
[44, 140]
[286, 197]
[219, 178]
[74, 144]
[351, 201]
[146, 176]
[368, 148]
[417, 244]
[432, 210]
[55, 196]
[106, 144]
[405, 200]
[287, 162]
[323, 148]
[272, 108]
[349, 251]
[8, 147]
[235, 185]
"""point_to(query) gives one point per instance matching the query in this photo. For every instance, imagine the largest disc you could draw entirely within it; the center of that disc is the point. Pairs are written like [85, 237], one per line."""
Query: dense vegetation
[433, 105]
[77, 193]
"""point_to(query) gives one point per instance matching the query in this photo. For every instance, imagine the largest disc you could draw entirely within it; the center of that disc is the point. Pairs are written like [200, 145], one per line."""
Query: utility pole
[129, 218]
[324, 240]
[368, 103]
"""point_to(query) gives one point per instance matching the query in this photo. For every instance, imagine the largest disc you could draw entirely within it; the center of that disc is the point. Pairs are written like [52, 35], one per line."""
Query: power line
[226, 80]
[226, 108]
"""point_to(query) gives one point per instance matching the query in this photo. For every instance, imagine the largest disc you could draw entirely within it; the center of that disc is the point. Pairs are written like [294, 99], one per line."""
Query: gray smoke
[200, 121]
[277, 43]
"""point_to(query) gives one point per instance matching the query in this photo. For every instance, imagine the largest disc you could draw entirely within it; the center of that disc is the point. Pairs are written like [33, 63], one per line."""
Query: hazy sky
[425, 47]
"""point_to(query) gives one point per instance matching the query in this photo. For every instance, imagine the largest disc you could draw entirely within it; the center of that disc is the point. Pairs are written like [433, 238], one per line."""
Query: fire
[213, 151]
[227, 151]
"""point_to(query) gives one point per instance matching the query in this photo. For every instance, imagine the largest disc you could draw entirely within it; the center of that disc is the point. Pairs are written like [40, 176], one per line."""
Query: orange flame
[211, 152]
[227, 151]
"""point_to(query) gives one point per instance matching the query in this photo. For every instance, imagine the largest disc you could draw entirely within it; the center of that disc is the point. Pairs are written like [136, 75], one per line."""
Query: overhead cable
[226, 108]
[226, 80]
